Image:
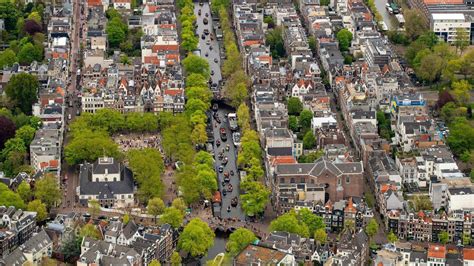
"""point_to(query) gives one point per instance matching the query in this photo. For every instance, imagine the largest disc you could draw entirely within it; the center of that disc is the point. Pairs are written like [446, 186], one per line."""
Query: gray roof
[16, 258]
[280, 151]
[317, 168]
[130, 229]
[37, 242]
[105, 189]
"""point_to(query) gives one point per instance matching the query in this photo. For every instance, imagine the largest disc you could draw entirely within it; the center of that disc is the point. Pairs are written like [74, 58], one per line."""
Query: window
[339, 181]
[292, 180]
[282, 180]
[348, 180]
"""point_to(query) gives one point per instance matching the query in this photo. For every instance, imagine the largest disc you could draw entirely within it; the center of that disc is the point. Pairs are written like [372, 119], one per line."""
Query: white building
[445, 25]
[45, 151]
[37, 247]
[122, 4]
[460, 198]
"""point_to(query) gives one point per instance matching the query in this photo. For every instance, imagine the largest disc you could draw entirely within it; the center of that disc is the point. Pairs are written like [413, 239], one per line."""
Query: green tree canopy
[312, 221]
[195, 80]
[295, 106]
[196, 238]
[24, 190]
[22, 89]
[155, 207]
[344, 37]
[255, 198]
[194, 64]
[309, 140]
[289, 222]
[372, 228]
[40, 209]
[320, 236]
[238, 240]
[7, 58]
[173, 217]
[90, 230]
[10, 198]
[391, 237]
[243, 116]
[47, 190]
[443, 237]
[90, 145]
[306, 117]
[175, 259]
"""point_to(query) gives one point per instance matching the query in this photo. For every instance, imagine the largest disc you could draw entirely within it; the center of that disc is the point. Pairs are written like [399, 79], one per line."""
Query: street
[390, 20]
[213, 53]
[68, 174]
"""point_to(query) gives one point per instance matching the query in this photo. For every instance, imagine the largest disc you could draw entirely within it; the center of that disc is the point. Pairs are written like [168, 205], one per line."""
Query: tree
[422, 203]
[26, 133]
[305, 119]
[126, 218]
[243, 116]
[295, 106]
[94, 208]
[173, 217]
[462, 39]
[372, 228]
[430, 68]
[238, 240]
[7, 58]
[293, 123]
[23, 88]
[116, 32]
[444, 97]
[255, 198]
[197, 65]
[147, 166]
[7, 132]
[415, 25]
[199, 134]
[312, 43]
[24, 191]
[154, 263]
[461, 91]
[274, 39]
[196, 238]
[195, 80]
[254, 171]
[155, 207]
[40, 209]
[35, 16]
[391, 237]
[466, 239]
[179, 204]
[89, 146]
[29, 53]
[90, 230]
[321, 236]
[344, 37]
[288, 222]
[71, 248]
[443, 237]
[31, 27]
[175, 259]
[10, 198]
[269, 20]
[312, 221]
[311, 157]
[201, 93]
[47, 190]
[309, 140]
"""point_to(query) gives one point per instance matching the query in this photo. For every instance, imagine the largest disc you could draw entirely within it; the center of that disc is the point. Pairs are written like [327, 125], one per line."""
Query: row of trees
[189, 41]
[237, 83]
[91, 133]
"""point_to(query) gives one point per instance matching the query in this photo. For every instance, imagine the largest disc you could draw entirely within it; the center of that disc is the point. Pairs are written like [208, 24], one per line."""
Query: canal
[389, 19]
[219, 247]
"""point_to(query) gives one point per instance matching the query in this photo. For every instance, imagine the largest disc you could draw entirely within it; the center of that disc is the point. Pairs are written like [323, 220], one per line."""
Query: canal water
[390, 20]
[219, 246]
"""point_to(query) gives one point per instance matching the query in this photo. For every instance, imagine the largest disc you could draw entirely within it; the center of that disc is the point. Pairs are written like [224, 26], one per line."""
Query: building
[37, 247]
[45, 151]
[260, 256]
[377, 52]
[16, 226]
[447, 25]
[308, 181]
[98, 252]
[107, 181]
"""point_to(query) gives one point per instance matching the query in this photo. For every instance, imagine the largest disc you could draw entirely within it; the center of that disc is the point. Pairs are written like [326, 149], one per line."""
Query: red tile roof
[468, 253]
[151, 60]
[173, 92]
[252, 42]
[54, 163]
[437, 251]
[283, 160]
[94, 2]
[164, 47]
[443, 2]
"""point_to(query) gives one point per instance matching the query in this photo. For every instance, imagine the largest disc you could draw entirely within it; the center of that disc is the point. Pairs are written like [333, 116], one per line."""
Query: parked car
[221, 169]
[205, 21]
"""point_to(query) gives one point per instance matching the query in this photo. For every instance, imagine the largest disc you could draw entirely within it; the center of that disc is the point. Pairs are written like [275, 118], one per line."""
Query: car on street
[212, 72]
[199, 12]
[206, 54]
[218, 143]
[215, 107]
[216, 60]
[207, 14]
[208, 42]
[210, 48]
[221, 169]
[225, 161]
[201, 3]
[205, 21]
[206, 31]
[203, 36]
